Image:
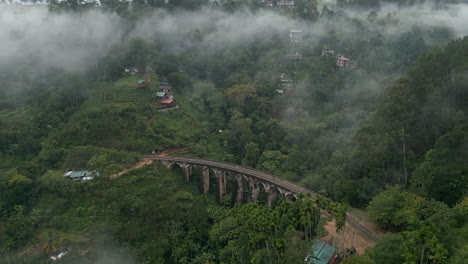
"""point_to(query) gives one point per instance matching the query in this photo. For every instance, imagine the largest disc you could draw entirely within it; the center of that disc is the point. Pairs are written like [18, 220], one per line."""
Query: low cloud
[72, 42]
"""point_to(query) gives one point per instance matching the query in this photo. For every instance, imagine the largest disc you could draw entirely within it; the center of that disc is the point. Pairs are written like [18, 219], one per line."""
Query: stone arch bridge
[274, 186]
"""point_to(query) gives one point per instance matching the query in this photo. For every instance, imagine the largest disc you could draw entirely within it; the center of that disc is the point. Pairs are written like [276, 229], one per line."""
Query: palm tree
[52, 242]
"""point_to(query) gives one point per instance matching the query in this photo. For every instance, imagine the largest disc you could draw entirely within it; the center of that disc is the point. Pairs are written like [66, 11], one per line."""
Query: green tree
[239, 133]
[423, 245]
[442, 175]
[251, 155]
[15, 189]
[179, 81]
[356, 259]
[388, 208]
[17, 228]
[388, 250]
[240, 94]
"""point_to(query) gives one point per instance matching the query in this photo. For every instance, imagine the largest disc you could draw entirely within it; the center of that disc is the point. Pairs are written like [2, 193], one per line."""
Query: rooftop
[80, 173]
[322, 253]
[169, 101]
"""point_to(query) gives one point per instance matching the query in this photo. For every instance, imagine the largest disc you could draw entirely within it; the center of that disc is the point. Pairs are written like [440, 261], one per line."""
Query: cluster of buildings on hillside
[163, 97]
[285, 85]
[296, 37]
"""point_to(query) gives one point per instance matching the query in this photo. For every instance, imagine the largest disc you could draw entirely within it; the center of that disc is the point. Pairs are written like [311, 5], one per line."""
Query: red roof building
[142, 84]
[167, 104]
[167, 101]
[342, 61]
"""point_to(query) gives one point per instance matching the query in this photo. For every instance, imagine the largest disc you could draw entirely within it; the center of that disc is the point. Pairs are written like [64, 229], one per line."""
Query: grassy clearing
[124, 91]
[43, 235]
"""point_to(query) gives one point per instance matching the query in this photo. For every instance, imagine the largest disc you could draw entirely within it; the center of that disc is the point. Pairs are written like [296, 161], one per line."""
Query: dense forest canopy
[363, 102]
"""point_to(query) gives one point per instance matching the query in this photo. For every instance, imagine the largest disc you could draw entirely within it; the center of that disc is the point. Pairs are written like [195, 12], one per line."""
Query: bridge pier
[239, 189]
[221, 183]
[271, 195]
[205, 180]
[273, 186]
[187, 170]
[254, 190]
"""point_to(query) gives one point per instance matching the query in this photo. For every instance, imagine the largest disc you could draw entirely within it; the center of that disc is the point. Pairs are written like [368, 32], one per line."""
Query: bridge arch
[287, 189]
[242, 179]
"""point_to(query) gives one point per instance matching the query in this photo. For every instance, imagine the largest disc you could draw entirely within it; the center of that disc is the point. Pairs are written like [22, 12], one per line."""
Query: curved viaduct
[273, 185]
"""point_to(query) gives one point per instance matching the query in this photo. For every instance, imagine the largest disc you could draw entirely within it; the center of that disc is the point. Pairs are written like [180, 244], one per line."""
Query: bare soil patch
[136, 166]
[349, 236]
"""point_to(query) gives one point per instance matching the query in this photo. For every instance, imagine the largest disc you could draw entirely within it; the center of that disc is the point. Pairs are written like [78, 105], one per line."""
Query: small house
[342, 61]
[165, 87]
[267, 3]
[132, 70]
[164, 91]
[321, 253]
[285, 4]
[160, 94]
[81, 175]
[284, 78]
[142, 84]
[327, 52]
[295, 57]
[166, 104]
[295, 35]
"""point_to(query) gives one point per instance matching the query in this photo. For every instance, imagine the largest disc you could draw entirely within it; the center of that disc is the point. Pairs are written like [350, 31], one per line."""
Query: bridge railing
[235, 167]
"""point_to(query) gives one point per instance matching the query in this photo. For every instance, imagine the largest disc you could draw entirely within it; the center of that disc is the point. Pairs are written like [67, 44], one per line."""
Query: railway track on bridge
[288, 185]
[281, 182]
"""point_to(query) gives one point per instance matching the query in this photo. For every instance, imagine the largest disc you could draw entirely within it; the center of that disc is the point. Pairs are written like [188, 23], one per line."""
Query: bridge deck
[280, 182]
[283, 183]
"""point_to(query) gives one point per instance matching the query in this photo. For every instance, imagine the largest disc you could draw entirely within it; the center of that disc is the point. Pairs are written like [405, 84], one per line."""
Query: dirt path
[144, 162]
[149, 121]
[136, 166]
